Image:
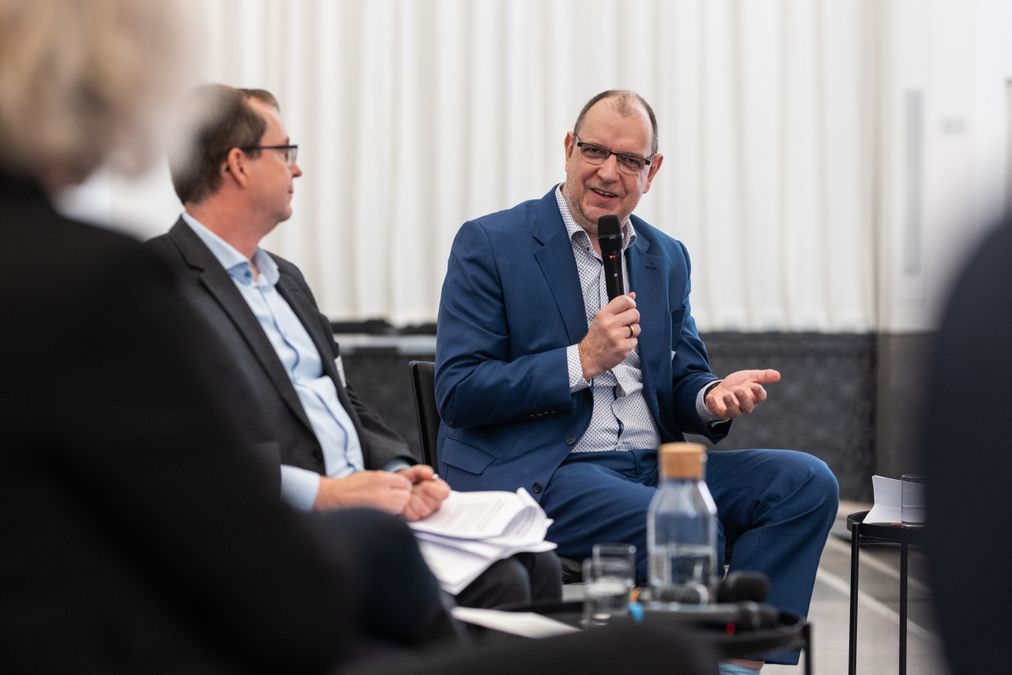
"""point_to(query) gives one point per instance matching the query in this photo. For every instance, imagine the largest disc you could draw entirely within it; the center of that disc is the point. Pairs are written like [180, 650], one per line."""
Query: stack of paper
[472, 530]
[890, 497]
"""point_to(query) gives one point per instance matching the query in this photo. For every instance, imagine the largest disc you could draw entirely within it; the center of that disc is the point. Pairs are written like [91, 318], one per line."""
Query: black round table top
[899, 533]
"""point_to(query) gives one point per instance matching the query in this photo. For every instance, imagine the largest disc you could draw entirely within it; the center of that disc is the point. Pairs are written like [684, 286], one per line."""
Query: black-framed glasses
[290, 153]
[597, 154]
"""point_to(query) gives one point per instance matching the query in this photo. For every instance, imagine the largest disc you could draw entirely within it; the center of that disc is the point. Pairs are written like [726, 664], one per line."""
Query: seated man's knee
[824, 482]
[819, 486]
[504, 583]
[545, 573]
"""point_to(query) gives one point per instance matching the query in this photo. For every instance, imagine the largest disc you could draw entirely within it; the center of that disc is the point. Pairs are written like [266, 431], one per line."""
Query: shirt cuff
[299, 487]
[576, 381]
[701, 409]
[395, 465]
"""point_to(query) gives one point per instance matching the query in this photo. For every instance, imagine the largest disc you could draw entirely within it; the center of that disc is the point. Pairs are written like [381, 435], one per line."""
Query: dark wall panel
[825, 403]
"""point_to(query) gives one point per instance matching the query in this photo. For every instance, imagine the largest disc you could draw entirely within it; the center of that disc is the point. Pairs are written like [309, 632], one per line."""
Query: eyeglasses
[627, 162]
[290, 153]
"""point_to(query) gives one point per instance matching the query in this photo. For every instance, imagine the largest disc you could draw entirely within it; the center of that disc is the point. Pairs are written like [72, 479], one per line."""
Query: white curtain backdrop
[415, 115]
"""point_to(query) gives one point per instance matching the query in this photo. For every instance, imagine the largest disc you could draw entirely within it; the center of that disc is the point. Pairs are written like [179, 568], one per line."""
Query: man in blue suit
[544, 383]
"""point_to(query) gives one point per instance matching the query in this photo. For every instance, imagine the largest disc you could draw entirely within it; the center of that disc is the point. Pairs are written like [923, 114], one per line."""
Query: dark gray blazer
[276, 421]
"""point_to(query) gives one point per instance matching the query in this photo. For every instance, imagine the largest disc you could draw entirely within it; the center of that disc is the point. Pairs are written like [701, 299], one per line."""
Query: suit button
[536, 488]
[570, 440]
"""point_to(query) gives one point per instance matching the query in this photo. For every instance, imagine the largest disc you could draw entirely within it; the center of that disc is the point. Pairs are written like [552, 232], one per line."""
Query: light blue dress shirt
[342, 450]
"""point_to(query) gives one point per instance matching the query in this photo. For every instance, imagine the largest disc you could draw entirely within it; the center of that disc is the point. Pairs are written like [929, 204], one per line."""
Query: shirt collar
[235, 263]
[578, 234]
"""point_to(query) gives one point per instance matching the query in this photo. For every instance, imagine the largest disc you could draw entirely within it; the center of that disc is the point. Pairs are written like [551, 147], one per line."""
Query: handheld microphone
[747, 590]
[609, 236]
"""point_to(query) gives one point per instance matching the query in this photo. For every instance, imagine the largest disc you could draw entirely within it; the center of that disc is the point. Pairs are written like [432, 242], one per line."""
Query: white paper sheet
[480, 515]
[525, 624]
[472, 530]
[887, 501]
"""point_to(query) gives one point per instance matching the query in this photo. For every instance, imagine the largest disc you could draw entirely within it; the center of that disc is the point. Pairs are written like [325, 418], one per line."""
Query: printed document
[472, 530]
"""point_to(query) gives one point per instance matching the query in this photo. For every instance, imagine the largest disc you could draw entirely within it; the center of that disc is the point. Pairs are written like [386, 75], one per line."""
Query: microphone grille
[609, 232]
[608, 226]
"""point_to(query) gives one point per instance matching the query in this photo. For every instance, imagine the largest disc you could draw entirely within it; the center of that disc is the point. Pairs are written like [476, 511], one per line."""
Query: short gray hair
[84, 83]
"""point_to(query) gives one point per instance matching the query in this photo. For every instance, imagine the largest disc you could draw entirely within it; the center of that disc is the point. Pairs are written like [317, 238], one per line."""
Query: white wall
[956, 57]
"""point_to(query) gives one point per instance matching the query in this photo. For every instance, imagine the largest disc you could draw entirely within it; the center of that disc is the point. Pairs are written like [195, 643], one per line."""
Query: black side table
[860, 533]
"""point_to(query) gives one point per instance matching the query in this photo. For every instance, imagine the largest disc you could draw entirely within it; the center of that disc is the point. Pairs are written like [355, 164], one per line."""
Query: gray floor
[878, 611]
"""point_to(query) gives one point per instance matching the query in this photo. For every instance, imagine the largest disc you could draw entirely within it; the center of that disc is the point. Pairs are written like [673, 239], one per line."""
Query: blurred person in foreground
[139, 534]
[968, 453]
[236, 179]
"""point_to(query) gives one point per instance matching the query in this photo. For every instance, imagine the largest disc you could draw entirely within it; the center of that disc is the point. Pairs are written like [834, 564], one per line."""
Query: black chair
[423, 384]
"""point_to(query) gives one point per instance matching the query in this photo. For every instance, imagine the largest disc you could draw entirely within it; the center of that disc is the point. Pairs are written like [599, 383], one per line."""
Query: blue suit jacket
[511, 305]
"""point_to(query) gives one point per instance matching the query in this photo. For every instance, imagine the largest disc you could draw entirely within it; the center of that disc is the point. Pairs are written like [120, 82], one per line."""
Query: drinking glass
[607, 583]
[610, 551]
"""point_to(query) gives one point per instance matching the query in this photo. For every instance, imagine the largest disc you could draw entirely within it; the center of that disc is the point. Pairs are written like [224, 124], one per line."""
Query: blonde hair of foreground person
[87, 83]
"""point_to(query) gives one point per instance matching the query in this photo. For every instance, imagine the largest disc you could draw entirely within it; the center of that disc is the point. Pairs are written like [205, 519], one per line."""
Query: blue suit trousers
[775, 509]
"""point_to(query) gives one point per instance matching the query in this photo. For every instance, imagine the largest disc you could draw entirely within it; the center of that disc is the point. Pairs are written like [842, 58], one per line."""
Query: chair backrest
[423, 381]
[423, 384]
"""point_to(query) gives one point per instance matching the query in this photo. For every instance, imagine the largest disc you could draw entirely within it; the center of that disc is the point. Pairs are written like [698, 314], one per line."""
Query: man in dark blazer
[334, 451]
[233, 200]
[544, 383]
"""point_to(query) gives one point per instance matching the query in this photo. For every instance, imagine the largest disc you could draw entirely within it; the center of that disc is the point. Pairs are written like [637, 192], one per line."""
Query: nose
[609, 169]
[296, 170]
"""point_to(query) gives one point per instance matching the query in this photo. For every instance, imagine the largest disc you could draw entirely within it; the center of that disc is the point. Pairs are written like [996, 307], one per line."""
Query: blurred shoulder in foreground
[968, 452]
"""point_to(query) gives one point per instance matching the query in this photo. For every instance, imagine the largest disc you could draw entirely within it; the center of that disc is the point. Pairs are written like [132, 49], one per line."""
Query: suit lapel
[213, 277]
[646, 279]
[558, 265]
[308, 315]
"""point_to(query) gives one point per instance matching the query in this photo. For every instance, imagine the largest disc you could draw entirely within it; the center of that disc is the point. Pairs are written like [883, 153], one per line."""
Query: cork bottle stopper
[683, 460]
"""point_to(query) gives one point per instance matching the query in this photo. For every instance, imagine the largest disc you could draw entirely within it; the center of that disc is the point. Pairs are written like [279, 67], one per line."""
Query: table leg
[855, 549]
[807, 633]
[903, 609]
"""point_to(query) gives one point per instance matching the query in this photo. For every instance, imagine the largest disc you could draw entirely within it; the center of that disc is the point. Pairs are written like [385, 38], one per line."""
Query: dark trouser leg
[545, 574]
[515, 581]
[504, 583]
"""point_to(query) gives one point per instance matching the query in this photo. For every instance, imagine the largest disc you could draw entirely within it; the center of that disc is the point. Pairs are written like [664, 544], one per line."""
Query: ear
[655, 166]
[234, 167]
[570, 144]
